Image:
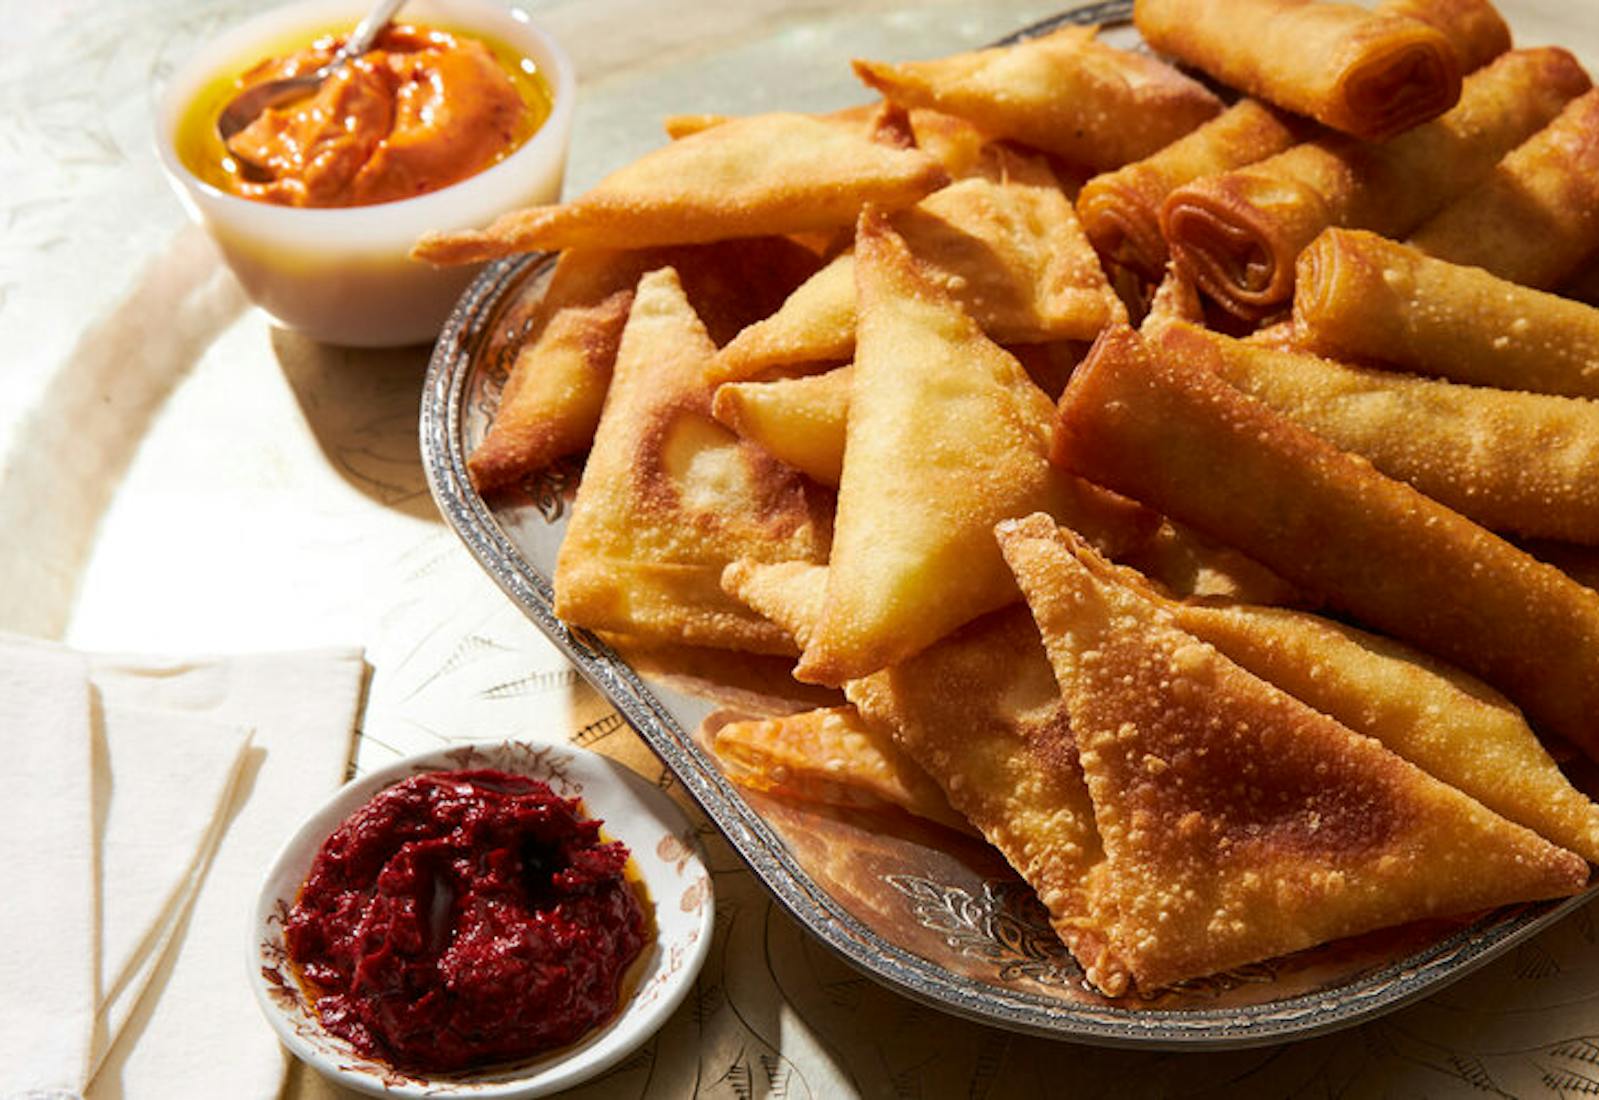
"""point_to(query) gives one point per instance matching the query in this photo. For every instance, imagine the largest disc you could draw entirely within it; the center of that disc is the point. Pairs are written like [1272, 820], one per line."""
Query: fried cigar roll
[1366, 73]
[1520, 463]
[1172, 433]
[1475, 29]
[1238, 823]
[1535, 219]
[1064, 92]
[832, 757]
[764, 175]
[1360, 296]
[1239, 233]
[1452, 726]
[1120, 210]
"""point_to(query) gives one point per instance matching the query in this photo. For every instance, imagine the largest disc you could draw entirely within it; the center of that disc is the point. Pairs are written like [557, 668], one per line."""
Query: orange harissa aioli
[420, 110]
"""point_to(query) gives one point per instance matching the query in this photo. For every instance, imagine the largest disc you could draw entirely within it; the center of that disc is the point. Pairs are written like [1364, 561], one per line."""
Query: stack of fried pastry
[1227, 631]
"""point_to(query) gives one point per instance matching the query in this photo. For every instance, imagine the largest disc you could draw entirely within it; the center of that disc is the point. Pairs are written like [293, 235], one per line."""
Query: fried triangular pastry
[1451, 725]
[1004, 242]
[800, 421]
[946, 436]
[670, 497]
[830, 756]
[981, 713]
[1063, 92]
[552, 399]
[763, 175]
[788, 593]
[1238, 823]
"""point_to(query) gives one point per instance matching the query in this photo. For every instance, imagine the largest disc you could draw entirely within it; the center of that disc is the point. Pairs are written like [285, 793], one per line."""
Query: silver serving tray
[929, 913]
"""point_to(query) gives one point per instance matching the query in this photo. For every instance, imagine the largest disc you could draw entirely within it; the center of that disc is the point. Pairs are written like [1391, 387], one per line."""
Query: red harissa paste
[462, 918]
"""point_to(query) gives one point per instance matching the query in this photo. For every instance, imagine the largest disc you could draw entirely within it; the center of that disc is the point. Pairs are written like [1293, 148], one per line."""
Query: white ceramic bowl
[665, 851]
[342, 275]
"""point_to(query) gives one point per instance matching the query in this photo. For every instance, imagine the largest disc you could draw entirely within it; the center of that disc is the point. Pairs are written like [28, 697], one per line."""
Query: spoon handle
[360, 39]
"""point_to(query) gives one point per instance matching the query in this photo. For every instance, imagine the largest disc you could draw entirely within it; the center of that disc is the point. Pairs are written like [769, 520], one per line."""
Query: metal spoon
[248, 104]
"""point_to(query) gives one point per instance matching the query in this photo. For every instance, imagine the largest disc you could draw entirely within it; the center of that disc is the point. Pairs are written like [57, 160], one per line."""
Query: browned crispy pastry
[552, 399]
[790, 594]
[669, 497]
[1454, 727]
[1120, 210]
[1535, 219]
[1465, 446]
[1004, 242]
[946, 436]
[832, 757]
[1176, 298]
[861, 118]
[1371, 74]
[981, 713]
[951, 140]
[1359, 296]
[1063, 92]
[764, 175]
[1237, 822]
[1187, 565]
[1167, 430]
[1239, 233]
[800, 421]
[1475, 29]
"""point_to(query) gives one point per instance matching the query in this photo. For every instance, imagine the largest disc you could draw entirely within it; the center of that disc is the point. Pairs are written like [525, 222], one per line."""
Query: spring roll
[1359, 296]
[1475, 29]
[1120, 210]
[1365, 73]
[1520, 463]
[1239, 233]
[1063, 92]
[1173, 434]
[1535, 219]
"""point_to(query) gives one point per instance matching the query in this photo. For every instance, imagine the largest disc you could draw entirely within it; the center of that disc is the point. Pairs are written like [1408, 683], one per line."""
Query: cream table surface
[179, 475]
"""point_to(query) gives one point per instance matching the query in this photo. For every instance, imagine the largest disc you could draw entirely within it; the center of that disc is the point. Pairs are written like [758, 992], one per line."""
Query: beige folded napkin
[153, 794]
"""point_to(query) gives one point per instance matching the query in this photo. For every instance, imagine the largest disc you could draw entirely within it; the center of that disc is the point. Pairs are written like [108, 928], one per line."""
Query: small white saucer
[665, 851]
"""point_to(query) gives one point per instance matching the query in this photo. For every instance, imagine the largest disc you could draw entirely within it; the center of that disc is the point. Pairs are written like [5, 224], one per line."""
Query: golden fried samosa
[1005, 243]
[790, 594]
[1238, 823]
[556, 389]
[830, 756]
[947, 435]
[670, 497]
[763, 175]
[1452, 726]
[1063, 92]
[981, 713]
[800, 421]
